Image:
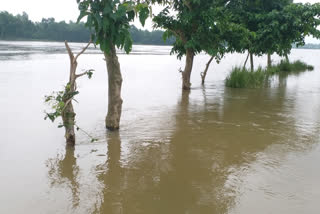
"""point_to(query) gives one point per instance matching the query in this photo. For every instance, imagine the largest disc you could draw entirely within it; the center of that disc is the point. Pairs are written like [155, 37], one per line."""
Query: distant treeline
[310, 46]
[19, 27]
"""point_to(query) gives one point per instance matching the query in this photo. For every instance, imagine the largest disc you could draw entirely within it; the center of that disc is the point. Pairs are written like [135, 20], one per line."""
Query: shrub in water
[243, 78]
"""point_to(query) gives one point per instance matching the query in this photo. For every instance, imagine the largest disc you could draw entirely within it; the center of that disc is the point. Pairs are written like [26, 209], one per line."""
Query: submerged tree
[275, 25]
[109, 22]
[198, 26]
[190, 27]
[252, 15]
[62, 101]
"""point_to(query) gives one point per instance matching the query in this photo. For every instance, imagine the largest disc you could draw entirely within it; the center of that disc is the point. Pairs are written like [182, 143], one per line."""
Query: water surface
[210, 150]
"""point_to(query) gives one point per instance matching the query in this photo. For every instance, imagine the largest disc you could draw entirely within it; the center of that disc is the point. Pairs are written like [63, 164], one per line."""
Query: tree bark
[68, 118]
[269, 60]
[245, 63]
[186, 74]
[251, 62]
[114, 92]
[204, 74]
[287, 57]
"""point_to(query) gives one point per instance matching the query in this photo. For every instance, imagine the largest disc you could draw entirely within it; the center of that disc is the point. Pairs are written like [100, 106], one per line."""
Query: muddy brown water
[212, 150]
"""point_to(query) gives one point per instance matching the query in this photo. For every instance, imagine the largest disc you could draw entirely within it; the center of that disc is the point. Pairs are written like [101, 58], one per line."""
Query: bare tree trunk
[204, 74]
[245, 63]
[114, 93]
[186, 74]
[251, 62]
[269, 60]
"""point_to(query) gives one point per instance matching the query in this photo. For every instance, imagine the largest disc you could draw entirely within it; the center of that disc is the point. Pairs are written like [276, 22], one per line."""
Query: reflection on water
[63, 171]
[203, 168]
[210, 150]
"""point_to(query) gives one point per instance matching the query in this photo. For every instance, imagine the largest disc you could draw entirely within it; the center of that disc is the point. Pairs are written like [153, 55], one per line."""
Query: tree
[109, 21]
[297, 21]
[251, 15]
[197, 26]
[62, 100]
[275, 25]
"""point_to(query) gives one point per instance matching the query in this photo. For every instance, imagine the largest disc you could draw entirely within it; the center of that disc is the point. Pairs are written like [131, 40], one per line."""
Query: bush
[296, 66]
[310, 68]
[284, 66]
[273, 70]
[287, 67]
[243, 78]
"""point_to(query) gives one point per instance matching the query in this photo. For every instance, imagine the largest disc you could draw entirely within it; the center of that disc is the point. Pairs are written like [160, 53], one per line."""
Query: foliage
[19, 27]
[276, 24]
[58, 102]
[109, 21]
[243, 78]
[287, 67]
[201, 26]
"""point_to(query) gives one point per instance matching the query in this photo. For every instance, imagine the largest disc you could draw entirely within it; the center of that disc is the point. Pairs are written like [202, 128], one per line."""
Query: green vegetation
[109, 24]
[287, 67]
[215, 27]
[244, 78]
[19, 27]
[199, 26]
[61, 102]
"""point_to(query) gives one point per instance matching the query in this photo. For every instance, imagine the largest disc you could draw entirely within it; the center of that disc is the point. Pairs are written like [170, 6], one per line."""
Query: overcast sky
[60, 9]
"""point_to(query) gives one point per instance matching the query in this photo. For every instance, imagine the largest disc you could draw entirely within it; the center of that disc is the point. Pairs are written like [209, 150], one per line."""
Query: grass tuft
[243, 78]
[287, 67]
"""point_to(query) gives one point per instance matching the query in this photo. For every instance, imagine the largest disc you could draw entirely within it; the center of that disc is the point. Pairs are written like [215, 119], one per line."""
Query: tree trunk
[287, 57]
[204, 74]
[68, 118]
[68, 115]
[114, 92]
[186, 74]
[245, 63]
[251, 62]
[269, 60]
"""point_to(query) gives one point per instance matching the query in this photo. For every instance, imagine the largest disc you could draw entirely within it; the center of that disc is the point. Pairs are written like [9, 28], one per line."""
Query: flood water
[213, 150]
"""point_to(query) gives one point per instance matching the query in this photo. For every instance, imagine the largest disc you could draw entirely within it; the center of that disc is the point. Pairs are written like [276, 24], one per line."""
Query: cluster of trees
[223, 26]
[215, 27]
[19, 27]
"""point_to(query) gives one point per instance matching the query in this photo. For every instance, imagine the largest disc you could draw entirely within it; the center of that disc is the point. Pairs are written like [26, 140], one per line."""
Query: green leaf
[131, 15]
[82, 14]
[128, 44]
[143, 15]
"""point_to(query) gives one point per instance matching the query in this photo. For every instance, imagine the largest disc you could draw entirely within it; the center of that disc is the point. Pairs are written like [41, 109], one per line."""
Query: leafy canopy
[109, 21]
[199, 26]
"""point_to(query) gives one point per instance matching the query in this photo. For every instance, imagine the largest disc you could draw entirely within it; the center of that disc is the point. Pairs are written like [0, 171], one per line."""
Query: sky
[68, 10]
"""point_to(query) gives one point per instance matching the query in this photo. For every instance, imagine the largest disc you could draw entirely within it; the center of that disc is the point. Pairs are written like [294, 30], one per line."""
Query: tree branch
[69, 50]
[187, 4]
[84, 73]
[83, 50]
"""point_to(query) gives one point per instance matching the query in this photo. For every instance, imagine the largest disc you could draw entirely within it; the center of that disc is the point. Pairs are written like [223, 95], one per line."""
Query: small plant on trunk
[61, 101]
